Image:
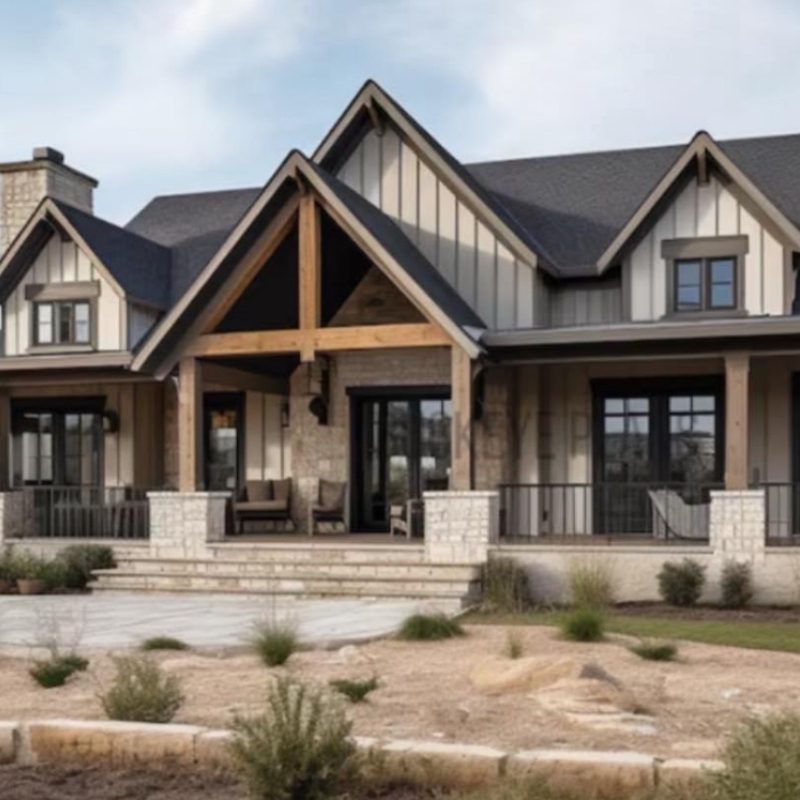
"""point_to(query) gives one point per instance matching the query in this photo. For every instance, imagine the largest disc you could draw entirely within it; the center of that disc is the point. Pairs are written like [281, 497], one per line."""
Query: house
[590, 355]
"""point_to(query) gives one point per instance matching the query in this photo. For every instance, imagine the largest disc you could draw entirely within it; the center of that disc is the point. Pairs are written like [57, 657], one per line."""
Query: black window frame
[56, 307]
[706, 283]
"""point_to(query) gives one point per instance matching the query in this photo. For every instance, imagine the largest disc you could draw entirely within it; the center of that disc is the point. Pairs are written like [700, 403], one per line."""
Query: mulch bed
[709, 613]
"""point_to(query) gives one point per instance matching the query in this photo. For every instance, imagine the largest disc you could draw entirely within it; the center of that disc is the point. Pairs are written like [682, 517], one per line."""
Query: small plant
[583, 625]
[163, 643]
[142, 692]
[591, 583]
[737, 584]
[429, 627]
[655, 651]
[274, 642]
[80, 560]
[681, 583]
[57, 669]
[514, 647]
[298, 749]
[54, 574]
[505, 586]
[355, 691]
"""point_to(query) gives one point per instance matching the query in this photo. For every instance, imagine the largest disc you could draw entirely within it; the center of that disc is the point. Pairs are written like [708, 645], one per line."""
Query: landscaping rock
[9, 733]
[682, 773]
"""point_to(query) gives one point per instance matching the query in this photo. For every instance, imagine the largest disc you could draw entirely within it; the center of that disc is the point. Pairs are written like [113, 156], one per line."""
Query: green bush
[298, 749]
[27, 566]
[583, 625]
[737, 585]
[163, 643]
[355, 691]
[8, 570]
[54, 574]
[681, 583]
[504, 585]
[56, 670]
[274, 642]
[429, 627]
[142, 692]
[513, 647]
[655, 651]
[591, 584]
[762, 762]
[80, 560]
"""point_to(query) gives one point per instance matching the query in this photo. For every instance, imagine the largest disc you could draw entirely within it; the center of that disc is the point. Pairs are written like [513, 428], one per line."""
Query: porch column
[461, 432]
[190, 420]
[310, 255]
[737, 374]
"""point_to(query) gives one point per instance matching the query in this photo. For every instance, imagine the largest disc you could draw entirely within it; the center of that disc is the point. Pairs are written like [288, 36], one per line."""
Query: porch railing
[782, 514]
[665, 513]
[85, 512]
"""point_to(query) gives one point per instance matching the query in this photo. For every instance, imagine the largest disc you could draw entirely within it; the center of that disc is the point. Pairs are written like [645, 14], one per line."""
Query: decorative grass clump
[355, 691]
[736, 584]
[583, 625]
[681, 583]
[142, 692]
[57, 669]
[300, 747]
[513, 648]
[163, 643]
[655, 651]
[505, 587]
[591, 583]
[274, 642]
[429, 627]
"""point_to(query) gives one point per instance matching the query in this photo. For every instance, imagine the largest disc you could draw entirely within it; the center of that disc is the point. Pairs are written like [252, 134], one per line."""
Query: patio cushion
[258, 491]
[331, 495]
[263, 505]
[282, 490]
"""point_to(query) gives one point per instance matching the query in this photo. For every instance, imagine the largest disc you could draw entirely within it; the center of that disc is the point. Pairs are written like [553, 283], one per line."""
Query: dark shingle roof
[141, 267]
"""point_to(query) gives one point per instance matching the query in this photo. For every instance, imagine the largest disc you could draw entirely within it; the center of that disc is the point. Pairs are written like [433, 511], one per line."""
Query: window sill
[722, 313]
[58, 349]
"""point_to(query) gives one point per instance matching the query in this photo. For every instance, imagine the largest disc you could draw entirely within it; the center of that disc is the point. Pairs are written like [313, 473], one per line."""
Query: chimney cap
[48, 154]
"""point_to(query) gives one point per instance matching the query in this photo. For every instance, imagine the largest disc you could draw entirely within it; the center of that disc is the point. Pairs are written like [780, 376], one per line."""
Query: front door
[400, 449]
[223, 441]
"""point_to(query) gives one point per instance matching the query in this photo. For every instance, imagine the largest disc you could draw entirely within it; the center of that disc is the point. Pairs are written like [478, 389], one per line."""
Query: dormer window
[705, 284]
[66, 322]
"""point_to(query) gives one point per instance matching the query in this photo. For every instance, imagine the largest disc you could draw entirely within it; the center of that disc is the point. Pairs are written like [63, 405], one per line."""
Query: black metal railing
[781, 514]
[85, 512]
[583, 512]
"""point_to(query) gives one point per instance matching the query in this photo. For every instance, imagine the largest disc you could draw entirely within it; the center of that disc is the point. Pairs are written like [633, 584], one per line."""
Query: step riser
[327, 555]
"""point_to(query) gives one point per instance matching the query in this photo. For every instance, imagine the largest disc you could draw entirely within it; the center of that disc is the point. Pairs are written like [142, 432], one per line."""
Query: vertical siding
[266, 445]
[389, 173]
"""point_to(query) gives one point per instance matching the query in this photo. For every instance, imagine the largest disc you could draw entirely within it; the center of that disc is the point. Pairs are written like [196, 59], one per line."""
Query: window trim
[71, 344]
[705, 306]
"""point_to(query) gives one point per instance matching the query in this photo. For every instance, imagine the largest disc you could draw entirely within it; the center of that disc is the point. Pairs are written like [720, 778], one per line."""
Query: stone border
[130, 744]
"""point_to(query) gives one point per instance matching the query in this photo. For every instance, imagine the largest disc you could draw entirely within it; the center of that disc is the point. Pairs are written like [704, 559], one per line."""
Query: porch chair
[268, 501]
[328, 507]
[405, 519]
[673, 517]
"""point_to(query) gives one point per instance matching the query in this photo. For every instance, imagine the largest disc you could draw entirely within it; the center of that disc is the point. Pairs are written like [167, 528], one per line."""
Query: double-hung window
[62, 322]
[705, 284]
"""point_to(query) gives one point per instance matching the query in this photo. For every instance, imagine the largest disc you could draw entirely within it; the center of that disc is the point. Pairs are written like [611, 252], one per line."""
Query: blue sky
[164, 96]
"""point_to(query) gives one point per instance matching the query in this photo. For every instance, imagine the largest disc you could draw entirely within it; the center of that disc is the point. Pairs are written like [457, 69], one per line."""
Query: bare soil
[425, 691]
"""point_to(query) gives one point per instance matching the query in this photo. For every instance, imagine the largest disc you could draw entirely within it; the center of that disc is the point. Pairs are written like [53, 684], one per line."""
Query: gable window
[62, 322]
[705, 284]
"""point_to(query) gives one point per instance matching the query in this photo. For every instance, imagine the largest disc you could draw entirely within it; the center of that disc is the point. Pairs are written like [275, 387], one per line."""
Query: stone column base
[737, 530]
[183, 523]
[12, 511]
[460, 527]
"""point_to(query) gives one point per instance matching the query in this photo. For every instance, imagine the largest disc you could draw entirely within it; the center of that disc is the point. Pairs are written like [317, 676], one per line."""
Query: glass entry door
[401, 448]
[223, 441]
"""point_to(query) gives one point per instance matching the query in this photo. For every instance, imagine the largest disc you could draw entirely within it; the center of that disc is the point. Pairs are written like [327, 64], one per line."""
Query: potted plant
[7, 573]
[31, 574]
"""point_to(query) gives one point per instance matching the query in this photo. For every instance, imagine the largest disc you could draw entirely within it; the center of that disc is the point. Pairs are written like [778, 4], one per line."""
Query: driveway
[121, 620]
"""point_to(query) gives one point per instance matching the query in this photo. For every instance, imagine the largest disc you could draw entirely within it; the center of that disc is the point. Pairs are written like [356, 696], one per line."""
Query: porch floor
[590, 540]
[321, 539]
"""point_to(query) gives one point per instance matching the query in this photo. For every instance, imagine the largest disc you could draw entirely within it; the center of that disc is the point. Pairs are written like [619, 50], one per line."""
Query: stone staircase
[304, 570]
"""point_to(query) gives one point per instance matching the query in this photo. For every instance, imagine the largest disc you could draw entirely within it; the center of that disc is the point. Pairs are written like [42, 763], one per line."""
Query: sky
[167, 96]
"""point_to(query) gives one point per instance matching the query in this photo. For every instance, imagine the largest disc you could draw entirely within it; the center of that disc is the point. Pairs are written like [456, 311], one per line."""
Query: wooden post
[5, 440]
[461, 426]
[737, 373]
[310, 257]
[190, 422]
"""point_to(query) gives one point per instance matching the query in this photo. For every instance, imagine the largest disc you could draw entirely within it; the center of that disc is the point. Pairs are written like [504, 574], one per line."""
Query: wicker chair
[329, 506]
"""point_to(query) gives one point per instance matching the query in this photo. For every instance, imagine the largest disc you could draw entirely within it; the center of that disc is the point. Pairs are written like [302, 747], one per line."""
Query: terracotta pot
[31, 586]
[6, 586]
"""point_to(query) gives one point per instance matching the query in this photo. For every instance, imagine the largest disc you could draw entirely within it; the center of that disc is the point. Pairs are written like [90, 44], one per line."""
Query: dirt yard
[669, 709]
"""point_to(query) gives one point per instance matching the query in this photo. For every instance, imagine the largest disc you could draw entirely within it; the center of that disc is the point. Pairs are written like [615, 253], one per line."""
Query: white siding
[389, 173]
[267, 451]
[710, 210]
[63, 262]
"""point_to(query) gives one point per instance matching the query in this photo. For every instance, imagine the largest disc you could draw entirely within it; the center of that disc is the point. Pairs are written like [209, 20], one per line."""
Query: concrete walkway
[121, 620]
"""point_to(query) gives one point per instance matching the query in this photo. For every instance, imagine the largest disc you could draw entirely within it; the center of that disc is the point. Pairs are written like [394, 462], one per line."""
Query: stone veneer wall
[460, 527]
[493, 435]
[182, 523]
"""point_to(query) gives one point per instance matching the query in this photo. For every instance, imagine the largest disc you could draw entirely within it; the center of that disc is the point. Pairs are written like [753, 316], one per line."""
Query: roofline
[371, 92]
[702, 142]
[18, 166]
[99, 359]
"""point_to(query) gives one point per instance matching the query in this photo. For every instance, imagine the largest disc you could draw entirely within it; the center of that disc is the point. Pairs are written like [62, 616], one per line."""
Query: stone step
[314, 550]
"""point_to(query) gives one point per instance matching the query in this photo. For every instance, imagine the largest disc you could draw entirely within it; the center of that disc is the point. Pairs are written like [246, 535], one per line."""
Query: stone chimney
[23, 184]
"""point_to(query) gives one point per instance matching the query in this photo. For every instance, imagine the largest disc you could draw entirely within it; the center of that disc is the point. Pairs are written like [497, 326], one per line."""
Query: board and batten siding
[267, 448]
[389, 173]
[63, 262]
[707, 210]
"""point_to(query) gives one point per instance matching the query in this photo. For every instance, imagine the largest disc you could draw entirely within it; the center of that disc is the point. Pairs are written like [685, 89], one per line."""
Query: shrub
[141, 692]
[655, 651]
[298, 749]
[761, 761]
[681, 584]
[583, 625]
[163, 643]
[54, 574]
[274, 642]
[505, 586]
[737, 585]
[355, 691]
[56, 670]
[80, 560]
[429, 627]
[27, 566]
[591, 584]
[8, 570]
[513, 647]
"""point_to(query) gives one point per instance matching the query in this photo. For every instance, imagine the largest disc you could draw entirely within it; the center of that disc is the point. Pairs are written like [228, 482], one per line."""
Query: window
[705, 284]
[63, 322]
